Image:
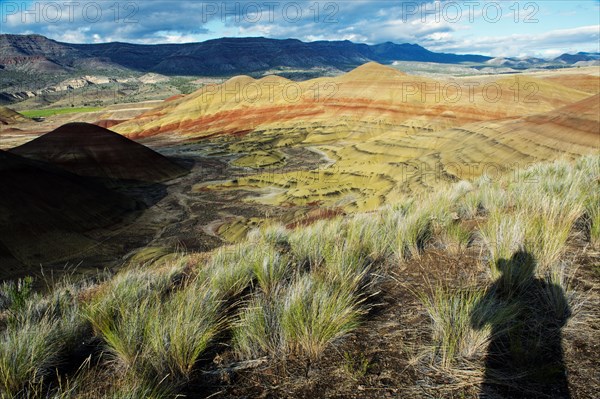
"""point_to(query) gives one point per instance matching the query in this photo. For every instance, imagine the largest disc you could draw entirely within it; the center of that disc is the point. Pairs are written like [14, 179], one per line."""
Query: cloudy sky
[499, 28]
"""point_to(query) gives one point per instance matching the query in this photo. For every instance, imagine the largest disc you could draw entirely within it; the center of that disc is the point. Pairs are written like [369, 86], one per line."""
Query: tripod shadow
[526, 315]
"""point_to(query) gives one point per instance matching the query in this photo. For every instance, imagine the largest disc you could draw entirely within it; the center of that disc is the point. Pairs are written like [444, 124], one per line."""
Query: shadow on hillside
[525, 356]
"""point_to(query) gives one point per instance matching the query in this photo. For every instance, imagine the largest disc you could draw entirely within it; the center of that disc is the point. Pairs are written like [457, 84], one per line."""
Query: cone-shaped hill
[372, 71]
[90, 150]
[45, 211]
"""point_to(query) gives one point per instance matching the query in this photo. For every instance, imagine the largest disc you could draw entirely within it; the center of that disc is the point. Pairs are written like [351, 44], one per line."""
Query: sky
[496, 28]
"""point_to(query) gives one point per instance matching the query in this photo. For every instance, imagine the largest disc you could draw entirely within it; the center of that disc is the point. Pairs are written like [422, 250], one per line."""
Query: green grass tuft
[315, 313]
[461, 320]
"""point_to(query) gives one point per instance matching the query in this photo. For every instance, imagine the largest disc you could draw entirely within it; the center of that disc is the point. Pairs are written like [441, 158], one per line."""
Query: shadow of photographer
[526, 315]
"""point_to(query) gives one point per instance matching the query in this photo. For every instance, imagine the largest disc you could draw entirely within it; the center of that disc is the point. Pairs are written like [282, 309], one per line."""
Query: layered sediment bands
[588, 83]
[384, 133]
[371, 93]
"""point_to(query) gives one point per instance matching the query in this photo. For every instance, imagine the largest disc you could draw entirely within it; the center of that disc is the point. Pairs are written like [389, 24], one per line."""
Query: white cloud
[556, 41]
[439, 36]
[551, 53]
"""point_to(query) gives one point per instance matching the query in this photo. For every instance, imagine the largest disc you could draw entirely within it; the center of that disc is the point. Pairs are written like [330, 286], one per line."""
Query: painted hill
[513, 144]
[587, 82]
[10, 117]
[370, 94]
[581, 118]
[222, 57]
[45, 212]
[382, 133]
[90, 150]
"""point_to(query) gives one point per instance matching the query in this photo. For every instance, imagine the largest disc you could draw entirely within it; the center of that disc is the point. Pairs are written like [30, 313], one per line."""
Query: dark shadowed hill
[222, 57]
[91, 150]
[45, 212]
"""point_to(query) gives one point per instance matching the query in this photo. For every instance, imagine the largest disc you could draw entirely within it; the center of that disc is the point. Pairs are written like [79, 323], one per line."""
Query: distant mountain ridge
[579, 57]
[226, 56]
[233, 56]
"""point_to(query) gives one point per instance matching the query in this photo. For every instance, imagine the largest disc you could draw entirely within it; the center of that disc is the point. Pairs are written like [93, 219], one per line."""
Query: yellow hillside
[381, 133]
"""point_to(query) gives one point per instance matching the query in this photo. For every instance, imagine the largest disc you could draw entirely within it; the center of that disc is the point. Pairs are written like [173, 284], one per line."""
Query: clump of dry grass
[303, 321]
[275, 234]
[40, 332]
[229, 272]
[270, 267]
[161, 339]
[308, 244]
[592, 216]
[315, 313]
[503, 235]
[195, 318]
[462, 320]
[372, 234]
[455, 238]
[302, 317]
[257, 332]
[28, 353]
